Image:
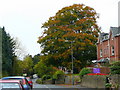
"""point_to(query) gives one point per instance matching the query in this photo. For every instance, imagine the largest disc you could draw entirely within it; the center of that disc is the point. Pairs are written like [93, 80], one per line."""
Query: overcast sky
[24, 18]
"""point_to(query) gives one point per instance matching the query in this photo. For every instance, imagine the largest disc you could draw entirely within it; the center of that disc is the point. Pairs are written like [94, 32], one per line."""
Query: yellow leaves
[56, 57]
[87, 8]
[81, 48]
[85, 21]
[67, 35]
[66, 53]
[61, 40]
[82, 44]
[95, 33]
[77, 61]
[63, 55]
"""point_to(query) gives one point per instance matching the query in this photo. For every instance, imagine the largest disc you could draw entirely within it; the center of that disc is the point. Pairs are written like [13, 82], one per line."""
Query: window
[105, 37]
[100, 52]
[113, 53]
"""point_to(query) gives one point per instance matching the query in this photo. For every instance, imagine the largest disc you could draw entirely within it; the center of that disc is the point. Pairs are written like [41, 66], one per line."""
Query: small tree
[42, 69]
[115, 68]
[28, 64]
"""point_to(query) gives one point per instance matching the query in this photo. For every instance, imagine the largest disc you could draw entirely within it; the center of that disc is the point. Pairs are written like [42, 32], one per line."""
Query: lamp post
[72, 60]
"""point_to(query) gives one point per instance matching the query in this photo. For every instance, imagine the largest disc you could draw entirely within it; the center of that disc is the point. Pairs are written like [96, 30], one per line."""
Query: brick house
[108, 46]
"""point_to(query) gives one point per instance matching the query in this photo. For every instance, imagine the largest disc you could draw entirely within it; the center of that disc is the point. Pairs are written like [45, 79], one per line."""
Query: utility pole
[72, 63]
[72, 58]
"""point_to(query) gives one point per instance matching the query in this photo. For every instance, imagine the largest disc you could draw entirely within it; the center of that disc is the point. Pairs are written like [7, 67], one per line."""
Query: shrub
[4, 74]
[58, 75]
[108, 85]
[41, 69]
[115, 68]
[77, 79]
[46, 77]
[84, 71]
[39, 81]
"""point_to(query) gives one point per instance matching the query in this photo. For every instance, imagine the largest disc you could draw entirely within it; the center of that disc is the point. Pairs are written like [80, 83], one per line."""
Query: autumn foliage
[78, 25]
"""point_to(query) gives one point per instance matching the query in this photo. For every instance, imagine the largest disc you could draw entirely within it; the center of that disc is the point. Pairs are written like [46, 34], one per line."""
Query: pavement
[69, 86]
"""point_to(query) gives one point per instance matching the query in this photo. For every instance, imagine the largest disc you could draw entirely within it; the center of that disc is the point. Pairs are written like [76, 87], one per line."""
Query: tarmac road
[57, 87]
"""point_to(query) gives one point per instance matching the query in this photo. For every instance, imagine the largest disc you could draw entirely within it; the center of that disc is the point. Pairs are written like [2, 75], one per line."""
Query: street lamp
[71, 59]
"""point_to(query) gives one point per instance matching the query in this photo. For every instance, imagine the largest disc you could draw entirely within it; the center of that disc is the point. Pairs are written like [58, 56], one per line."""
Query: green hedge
[115, 68]
[58, 74]
[84, 71]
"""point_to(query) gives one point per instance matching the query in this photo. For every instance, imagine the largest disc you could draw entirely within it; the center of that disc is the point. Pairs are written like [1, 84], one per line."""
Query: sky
[23, 18]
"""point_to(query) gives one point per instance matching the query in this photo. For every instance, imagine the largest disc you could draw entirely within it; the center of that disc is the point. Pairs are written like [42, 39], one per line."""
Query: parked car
[11, 84]
[25, 83]
[30, 82]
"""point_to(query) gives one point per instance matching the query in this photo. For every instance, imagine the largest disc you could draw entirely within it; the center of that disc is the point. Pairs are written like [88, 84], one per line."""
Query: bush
[84, 71]
[108, 85]
[4, 74]
[42, 69]
[46, 77]
[58, 75]
[115, 68]
[77, 79]
[39, 81]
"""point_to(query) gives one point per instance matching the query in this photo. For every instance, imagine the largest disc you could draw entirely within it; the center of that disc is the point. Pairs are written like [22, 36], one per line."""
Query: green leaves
[42, 69]
[115, 67]
[28, 64]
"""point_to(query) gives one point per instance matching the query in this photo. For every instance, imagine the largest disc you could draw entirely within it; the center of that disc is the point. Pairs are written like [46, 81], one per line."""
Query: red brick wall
[106, 47]
[105, 50]
[114, 42]
[119, 48]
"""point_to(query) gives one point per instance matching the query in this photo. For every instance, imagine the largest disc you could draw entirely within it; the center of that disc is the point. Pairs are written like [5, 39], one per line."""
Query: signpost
[96, 70]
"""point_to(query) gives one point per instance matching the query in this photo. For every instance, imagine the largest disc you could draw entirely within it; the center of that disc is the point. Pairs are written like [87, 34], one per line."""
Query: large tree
[73, 28]
[8, 54]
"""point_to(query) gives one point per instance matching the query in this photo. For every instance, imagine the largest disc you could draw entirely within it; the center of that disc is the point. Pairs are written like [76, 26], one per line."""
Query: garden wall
[68, 79]
[95, 81]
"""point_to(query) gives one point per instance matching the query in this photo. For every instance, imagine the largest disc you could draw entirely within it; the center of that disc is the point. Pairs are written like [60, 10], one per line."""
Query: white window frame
[100, 52]
[113, 50]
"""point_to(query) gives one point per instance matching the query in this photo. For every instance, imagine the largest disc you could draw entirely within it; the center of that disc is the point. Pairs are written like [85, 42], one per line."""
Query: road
[56, 87]
[45, 86]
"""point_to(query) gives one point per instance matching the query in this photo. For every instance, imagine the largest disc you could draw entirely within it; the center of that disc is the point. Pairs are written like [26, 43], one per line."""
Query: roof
[115, 31]
[11, 81]
[20, 77]
[103, 37]
[102, 60]
[10, 84]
